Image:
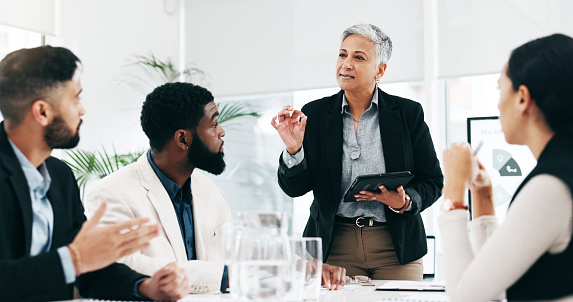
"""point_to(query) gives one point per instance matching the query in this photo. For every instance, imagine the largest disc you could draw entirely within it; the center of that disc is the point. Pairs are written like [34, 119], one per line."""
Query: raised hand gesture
[290, 128]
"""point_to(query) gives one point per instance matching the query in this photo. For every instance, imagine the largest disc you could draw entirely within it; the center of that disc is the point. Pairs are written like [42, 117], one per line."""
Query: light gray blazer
[136, 191]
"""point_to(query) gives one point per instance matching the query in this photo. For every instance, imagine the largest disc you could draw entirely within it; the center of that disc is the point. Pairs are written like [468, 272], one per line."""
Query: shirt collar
[374, 99]
[170, 186]
[37, 178]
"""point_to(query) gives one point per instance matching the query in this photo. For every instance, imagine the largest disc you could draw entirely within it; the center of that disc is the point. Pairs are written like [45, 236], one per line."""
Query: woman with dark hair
[529, 257]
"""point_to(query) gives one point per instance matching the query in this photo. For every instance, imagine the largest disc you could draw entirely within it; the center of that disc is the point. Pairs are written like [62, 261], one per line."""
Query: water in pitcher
[263, 280]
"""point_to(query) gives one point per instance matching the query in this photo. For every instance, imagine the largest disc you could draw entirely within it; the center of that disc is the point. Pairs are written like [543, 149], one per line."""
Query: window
[252, 149]
[469, 97]
[12, 39]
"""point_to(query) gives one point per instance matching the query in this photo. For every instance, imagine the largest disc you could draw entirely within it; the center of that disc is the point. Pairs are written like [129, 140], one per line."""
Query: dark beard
[200, 157]
[59, 136]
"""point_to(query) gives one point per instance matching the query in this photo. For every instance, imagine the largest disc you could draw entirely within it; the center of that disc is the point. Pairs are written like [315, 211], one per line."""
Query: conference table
[350, 293]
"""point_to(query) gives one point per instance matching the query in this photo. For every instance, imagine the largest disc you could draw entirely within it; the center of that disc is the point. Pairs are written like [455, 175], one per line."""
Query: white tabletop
[350, 293]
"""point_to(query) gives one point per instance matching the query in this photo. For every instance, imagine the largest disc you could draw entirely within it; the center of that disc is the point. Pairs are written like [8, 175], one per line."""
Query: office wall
[477, 36]
[259, 46]
[104, 34]
[33, 15]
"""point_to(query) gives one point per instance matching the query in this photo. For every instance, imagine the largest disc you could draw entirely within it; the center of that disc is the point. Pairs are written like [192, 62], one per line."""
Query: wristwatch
[449, 205]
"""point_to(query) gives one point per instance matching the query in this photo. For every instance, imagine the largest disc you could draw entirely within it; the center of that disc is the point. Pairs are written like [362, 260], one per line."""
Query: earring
[187, 147]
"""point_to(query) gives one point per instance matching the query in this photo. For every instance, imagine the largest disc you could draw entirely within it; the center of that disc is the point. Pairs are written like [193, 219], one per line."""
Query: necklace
[355, 120]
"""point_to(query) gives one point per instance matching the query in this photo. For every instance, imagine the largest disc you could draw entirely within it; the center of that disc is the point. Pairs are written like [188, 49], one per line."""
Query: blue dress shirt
[43, 215]
[182, 202]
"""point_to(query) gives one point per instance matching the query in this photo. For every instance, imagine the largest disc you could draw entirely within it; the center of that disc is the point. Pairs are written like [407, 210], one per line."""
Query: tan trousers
[369, 251]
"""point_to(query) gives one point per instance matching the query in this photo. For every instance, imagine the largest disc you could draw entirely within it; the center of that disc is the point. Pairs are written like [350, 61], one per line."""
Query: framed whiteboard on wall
[507, 165]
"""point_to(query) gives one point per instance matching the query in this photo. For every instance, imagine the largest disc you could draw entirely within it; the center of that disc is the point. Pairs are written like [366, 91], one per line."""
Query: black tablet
[371, 183]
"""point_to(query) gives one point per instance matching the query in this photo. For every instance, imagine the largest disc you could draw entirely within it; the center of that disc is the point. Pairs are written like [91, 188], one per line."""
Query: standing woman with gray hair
[362, 130]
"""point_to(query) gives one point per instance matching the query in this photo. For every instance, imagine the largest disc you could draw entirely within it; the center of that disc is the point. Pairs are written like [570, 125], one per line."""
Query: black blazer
[407, 146]
[41, 278]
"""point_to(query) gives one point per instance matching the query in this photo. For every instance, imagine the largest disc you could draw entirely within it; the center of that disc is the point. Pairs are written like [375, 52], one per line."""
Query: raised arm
[293, 174]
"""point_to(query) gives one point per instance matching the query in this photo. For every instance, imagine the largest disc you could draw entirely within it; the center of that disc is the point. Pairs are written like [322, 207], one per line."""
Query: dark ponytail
[545, 67]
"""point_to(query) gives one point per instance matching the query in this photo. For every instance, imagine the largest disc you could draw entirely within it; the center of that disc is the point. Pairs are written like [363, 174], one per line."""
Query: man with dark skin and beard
[46, 244]
[181, 122]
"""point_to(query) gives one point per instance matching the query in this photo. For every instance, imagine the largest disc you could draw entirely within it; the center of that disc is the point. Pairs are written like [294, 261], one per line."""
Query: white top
[540, 220]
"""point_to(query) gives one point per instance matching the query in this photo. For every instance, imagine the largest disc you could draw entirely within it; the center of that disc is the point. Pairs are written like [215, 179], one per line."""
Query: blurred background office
[264, 54]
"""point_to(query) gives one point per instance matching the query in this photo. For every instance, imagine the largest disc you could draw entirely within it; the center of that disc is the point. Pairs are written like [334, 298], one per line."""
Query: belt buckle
[370, 222]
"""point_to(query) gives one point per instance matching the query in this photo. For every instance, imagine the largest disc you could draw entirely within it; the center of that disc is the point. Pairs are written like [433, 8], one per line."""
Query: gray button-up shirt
[361, 154]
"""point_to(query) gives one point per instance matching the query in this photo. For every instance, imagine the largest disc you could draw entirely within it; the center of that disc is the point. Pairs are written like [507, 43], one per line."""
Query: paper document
[438, 286]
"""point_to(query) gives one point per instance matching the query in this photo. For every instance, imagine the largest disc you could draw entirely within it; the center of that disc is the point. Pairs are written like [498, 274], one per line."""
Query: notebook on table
[403, 285]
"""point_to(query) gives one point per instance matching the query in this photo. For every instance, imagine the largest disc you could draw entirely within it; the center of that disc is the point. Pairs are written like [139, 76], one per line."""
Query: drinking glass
[229, 238]
[312, 257]
[295, 286]
[263, 257]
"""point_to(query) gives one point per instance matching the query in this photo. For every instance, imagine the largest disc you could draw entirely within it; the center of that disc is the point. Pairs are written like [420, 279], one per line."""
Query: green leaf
[156, 72]
[232, 111]
[88, 165]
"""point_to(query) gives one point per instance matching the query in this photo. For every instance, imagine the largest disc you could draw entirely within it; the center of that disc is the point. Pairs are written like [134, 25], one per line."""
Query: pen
[476, 150]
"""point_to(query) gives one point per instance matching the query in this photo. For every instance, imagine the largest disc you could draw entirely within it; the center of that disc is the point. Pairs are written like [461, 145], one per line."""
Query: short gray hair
[381, 41]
